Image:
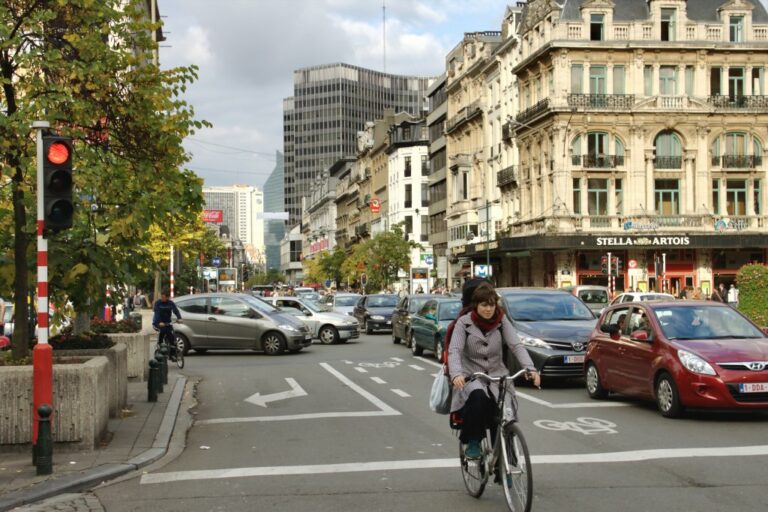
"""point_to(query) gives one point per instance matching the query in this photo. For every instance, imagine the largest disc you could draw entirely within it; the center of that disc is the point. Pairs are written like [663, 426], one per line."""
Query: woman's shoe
[472, 450]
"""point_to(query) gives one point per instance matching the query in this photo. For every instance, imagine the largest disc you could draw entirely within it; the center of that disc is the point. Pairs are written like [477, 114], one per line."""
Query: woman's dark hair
[485, 292]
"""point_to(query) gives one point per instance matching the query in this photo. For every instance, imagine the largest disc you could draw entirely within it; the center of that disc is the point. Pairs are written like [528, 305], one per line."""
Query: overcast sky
[247, 51]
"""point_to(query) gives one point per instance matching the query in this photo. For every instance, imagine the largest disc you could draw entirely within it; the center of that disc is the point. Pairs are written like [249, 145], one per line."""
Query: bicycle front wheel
[179, 344]
[473, 472]
[515, 470]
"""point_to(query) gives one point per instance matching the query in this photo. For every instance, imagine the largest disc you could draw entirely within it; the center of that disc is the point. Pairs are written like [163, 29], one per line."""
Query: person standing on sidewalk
[733, 296]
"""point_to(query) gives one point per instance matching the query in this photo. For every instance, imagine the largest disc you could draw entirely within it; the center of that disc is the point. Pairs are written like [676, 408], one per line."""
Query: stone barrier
[117, 384]
[138, 353]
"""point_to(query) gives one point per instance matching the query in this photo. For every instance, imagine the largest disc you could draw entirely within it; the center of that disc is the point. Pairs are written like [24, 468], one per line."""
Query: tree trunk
[156, 294]
[21, 334]
[82, 322]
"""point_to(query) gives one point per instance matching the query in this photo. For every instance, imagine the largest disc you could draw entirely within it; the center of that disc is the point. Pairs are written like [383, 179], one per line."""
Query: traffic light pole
[42, 353]
[610, 277]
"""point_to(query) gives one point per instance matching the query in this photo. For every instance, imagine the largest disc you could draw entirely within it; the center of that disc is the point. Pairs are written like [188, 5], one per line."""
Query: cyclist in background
[161, 314]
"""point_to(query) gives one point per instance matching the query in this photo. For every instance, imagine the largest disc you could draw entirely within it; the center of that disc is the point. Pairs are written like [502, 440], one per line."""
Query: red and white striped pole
[107, 307]
[171, 271]
[42, 353]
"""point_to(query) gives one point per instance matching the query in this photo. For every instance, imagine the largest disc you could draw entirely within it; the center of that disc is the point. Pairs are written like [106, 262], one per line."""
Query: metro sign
[375, 205]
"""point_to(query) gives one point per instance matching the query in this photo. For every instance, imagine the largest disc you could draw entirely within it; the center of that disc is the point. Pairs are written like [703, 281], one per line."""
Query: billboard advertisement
[227, 277]
[214, 216]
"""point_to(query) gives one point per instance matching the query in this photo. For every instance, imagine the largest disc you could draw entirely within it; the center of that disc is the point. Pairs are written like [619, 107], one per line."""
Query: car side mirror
[639, 336]
[255, 315]
[307, 313]
[609, 328]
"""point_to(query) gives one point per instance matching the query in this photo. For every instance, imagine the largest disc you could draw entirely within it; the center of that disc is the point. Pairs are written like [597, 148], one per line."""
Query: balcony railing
[464, 114]
[600, 221]
[737, 161]
[601, 101]
[506, 176]
[598, 161]
[739, 102]
[533, 111]
[668, 162]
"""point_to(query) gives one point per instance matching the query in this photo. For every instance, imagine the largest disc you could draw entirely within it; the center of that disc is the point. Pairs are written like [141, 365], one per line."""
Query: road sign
[327, 283]
[375, 205]
[363, 279]
[216, 261]
[632, 263]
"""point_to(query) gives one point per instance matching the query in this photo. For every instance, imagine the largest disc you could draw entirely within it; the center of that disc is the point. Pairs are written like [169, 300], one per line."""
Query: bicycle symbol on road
[586, 426]
[385, 364]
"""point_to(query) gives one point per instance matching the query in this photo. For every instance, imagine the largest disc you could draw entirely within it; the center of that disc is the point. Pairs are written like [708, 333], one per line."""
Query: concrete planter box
[138, 353]
[117, 382]
[81, 407]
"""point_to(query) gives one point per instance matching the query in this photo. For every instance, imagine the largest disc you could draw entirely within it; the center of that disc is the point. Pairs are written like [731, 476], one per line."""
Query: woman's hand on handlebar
[534, 376]
[458, 382]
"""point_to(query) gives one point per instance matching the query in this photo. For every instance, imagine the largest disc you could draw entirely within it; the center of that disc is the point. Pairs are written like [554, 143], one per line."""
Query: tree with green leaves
[86, 67]
[382, 258]
[331, 263]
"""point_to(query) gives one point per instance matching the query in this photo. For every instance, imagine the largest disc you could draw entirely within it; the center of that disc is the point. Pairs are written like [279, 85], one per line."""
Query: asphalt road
[348, 428]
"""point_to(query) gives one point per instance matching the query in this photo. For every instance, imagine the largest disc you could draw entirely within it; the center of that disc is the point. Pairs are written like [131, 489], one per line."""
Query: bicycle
[174, 345]
[506, 456]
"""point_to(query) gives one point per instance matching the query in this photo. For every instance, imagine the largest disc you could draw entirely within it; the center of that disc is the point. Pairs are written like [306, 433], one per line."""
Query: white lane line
[347, 361]
[416, 367]
[361, 370]
[383, 408]
[401, 393]
[378, 380]
[396, 359]
[429, 361]
[576, 405]
[357, 467]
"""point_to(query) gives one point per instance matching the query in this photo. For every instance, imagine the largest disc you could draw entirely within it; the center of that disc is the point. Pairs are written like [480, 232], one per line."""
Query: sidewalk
[136, 439]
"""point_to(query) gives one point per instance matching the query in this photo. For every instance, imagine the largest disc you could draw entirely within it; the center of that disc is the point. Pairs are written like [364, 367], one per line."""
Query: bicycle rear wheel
[473, 472]
[515, 470]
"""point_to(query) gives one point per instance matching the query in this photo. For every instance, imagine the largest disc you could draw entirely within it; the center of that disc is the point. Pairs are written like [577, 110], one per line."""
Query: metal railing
[739, 102]
[506, 176]
[601, 101]
[598, 161]
[737, 161]
[533, 111]
[668, 162]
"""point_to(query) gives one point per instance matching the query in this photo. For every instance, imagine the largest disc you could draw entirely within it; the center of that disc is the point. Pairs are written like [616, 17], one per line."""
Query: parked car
[374, 312]
[212, 321]
[5, 343]
[8, 319]
[554, 327]
[262, 290]
[302, 291]
[595, 297]
[401, 317]
[343, 303]
[326, 326]
[429, 324]
[681, 354]
[641, 296]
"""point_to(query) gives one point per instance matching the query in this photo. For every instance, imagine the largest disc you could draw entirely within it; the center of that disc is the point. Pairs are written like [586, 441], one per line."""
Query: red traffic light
[58, 153]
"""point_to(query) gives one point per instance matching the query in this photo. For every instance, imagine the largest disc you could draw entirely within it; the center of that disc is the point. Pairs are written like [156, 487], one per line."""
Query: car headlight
[694, 363]
[287, 327]
[377, 317]
[349, 322]
[532, 341]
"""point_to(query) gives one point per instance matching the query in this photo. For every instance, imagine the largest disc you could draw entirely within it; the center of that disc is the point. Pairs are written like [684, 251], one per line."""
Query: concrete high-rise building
[330, 104]
[240, 205]
[274, 201]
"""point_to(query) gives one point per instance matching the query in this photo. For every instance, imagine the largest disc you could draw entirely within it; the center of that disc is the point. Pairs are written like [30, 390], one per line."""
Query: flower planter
[80, 403]
[138, 353]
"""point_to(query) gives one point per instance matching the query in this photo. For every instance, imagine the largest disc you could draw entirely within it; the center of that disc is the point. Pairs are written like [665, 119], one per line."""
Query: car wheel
[438, 349]
[328, 335]
[366, 327]
[595, 388]
[415, 349]
[273, 343]
[182, 343]
[667, 398]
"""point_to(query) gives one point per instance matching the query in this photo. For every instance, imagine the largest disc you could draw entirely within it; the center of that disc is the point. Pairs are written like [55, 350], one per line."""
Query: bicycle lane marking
[384, 409]
[356, 467]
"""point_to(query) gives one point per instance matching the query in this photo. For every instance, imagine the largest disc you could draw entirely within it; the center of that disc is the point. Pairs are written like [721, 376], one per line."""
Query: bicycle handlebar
[484, 376]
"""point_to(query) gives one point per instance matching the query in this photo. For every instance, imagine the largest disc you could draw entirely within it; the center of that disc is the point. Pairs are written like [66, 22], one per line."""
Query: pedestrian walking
[719, 294]
[733, 296]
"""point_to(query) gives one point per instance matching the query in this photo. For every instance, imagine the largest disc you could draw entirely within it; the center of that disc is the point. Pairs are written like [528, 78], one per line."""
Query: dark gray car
[401, 317]
[212, 321]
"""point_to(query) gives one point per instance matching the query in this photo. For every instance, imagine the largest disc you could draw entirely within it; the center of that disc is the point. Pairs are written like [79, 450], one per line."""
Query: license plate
[755, 387]
[308, 337]
[389, 323]
[574, 359]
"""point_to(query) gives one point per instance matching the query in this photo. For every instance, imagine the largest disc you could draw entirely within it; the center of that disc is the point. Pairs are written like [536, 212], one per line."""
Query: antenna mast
[384, 31]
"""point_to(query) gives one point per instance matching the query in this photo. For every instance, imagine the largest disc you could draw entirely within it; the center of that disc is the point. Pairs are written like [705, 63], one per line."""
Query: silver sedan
[326, 326]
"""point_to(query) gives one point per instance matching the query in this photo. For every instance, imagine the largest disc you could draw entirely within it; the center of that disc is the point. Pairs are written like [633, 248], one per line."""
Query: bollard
[44, 446]
[164, 364]
[154, 378]
[161, 362]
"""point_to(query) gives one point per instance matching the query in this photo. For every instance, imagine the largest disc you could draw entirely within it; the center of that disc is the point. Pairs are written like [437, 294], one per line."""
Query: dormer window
[668, 24]
[596, 27]
[736, 29]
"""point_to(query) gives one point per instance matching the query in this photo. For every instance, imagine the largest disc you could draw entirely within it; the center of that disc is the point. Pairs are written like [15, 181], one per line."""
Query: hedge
[752, 281]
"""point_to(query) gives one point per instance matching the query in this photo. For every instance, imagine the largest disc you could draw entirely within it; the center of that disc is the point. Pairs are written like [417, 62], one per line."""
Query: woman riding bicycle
[161, 318]
[476, 346]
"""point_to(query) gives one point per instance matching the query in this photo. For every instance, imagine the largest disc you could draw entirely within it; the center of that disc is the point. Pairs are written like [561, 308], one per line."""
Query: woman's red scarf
[487, 325]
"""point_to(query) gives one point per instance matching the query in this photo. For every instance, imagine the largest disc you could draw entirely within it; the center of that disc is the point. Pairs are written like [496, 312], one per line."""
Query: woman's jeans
[478, 414]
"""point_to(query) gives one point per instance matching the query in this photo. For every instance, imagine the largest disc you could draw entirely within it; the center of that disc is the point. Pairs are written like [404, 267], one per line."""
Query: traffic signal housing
[604, 264]
[616, 266]
[58, 207]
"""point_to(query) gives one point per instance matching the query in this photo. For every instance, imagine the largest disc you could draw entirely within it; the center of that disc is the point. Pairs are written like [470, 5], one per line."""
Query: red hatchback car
[680, 354]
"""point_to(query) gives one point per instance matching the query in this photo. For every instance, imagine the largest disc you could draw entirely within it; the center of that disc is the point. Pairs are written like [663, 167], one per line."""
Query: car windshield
[382, 301]
[416, 303]
[540, 307]
[316, 305]
[594, 296]
[347, 300]
[260, 305]
[449, 310]
[704, 323]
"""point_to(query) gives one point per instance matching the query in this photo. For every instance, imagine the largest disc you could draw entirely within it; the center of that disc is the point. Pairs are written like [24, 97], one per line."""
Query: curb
[87, 479]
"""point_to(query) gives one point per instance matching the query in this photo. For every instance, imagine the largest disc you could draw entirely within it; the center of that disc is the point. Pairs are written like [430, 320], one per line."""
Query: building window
[618, 80]
[577, 196]
[406, 133]
[757, 81]
[689, 77]
[669, 151]
[576, 150]
[577, 79]
[668, 80]
[597, 80]
[736, 197]
[736, 29]
[597, 144]
[715, 81]
[597, 197]
[425, 165]
[735, 83]
[425, 228]
[408, 228]
[408, 196]
[667, 197]
[425, 194]
[648, 80]
[407, 166]
[716, 196]
[462, 188]
[758, 197]
[619, 197]
[596, 27]
[668, 24]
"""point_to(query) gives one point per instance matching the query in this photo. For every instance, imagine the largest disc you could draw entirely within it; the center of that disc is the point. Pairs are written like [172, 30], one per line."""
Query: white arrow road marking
[401, 393]
[261, 400]
[378, 380]
[576, 405]
[361, 370]
[355, 467]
